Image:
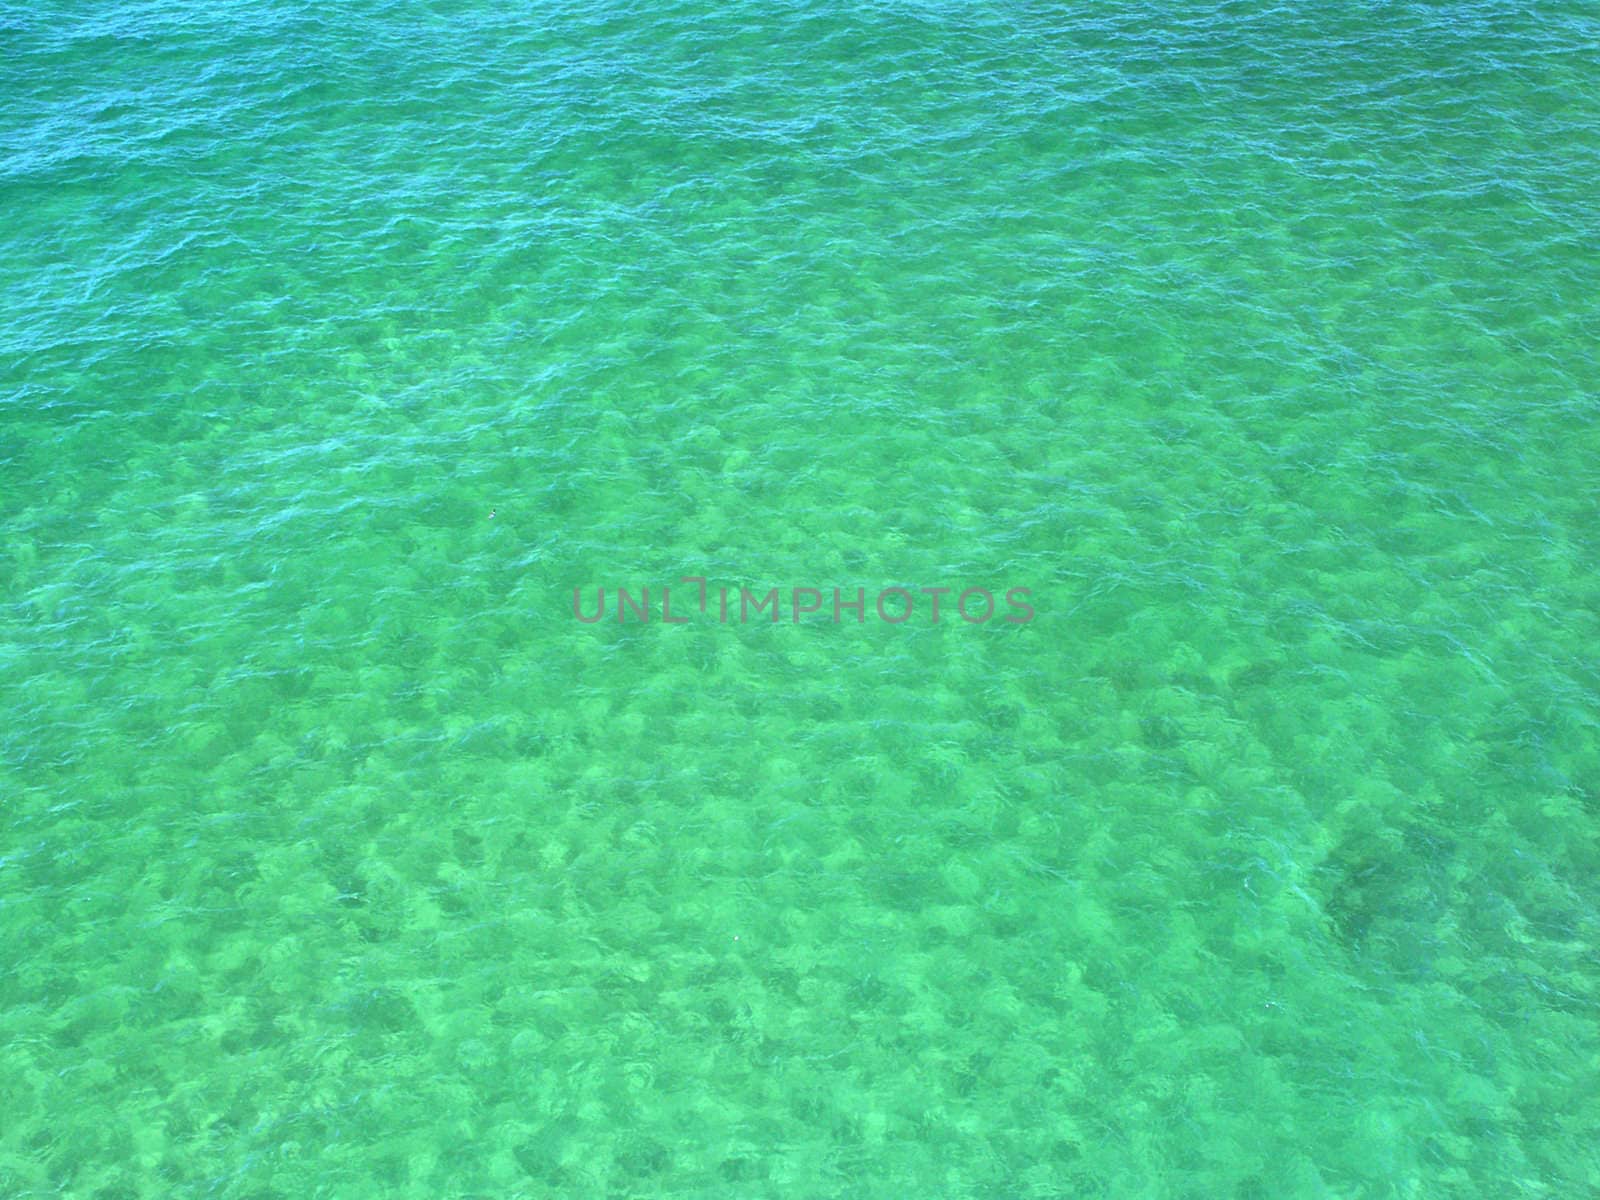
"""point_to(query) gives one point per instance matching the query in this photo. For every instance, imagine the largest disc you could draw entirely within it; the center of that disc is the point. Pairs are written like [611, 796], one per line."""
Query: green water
[337, 859]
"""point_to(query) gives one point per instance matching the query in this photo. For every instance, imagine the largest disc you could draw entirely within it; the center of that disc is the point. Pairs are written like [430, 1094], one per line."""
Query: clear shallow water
[337, 859]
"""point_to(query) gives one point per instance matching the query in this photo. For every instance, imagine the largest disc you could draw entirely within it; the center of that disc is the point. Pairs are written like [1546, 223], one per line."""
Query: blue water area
[342, 345]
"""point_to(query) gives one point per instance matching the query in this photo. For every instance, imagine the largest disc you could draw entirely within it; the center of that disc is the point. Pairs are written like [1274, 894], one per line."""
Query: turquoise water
[337, 859]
